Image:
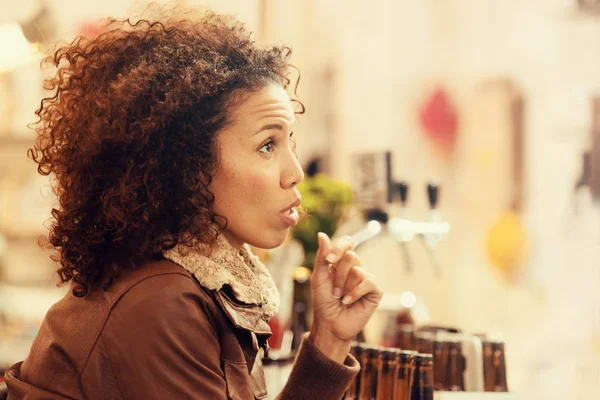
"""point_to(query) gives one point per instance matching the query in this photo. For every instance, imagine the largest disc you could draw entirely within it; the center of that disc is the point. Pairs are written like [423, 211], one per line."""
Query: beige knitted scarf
[246, 276]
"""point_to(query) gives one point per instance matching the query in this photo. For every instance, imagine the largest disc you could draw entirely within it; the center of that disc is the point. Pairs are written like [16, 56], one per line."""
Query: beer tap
[430, 239]
[376, 219]
[430, 231]
[378, 193]
[401, 236]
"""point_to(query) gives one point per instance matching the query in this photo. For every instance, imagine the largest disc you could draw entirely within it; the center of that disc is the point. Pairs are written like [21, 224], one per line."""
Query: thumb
[325, 245]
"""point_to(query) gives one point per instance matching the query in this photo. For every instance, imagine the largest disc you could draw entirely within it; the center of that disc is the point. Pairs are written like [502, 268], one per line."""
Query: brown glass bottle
[424, 342]
[404, 375]
[440, 362]
[422, 387]
[455, 367]
[488, 370]
[354, 389]
[301, 304]
[499, 363]
[389, 333]
[387, 370]
[494, 366]
[405, 337]
[368, 380]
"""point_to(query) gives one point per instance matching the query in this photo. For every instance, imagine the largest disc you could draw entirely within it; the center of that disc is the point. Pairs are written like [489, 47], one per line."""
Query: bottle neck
[500, 372]
[456, 366]
[368, 381]
[425, 375]
[386, 382]
[422, 388]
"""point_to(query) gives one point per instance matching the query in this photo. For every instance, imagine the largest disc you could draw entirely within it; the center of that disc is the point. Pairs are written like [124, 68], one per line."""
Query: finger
[367, 289]
[343, 267]
[355, 276]
[325, 245]
[340, 246]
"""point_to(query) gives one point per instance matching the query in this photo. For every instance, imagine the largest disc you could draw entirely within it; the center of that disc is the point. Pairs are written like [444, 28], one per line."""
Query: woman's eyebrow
[279, 127]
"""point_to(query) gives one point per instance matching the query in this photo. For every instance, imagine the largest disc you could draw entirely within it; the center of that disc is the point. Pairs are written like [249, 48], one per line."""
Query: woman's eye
[267, 148]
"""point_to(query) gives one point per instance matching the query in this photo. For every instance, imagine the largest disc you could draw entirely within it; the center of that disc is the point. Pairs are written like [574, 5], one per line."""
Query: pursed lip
[293, 205]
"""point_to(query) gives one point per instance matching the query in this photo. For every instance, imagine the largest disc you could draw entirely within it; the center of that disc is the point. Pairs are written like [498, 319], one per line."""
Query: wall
[387, 55]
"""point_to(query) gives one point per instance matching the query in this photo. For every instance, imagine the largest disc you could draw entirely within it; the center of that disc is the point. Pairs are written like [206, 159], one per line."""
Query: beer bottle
[389, 332]
[404, 376]
[424, 342]
[301, 304]
[299, 324]
[368, 379]
[440, 362]
[405, 337]
[387, 371]
[494, 366]
[354, 389]
[499, 364]
[422, 387]
[456, 367]
[488, 370]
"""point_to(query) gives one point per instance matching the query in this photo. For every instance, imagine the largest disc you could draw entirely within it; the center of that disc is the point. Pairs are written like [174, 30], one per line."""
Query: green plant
[325, 201]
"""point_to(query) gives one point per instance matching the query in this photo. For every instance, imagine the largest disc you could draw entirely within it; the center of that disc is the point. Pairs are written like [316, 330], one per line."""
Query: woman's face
[255, 183]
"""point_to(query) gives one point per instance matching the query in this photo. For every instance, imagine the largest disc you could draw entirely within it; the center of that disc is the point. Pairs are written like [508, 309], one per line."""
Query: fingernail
[346, 300]
[331, 258]
[337, 293]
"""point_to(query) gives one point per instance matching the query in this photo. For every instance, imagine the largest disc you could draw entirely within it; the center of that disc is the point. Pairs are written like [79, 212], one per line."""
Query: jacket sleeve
[160, 342]
[317, 377]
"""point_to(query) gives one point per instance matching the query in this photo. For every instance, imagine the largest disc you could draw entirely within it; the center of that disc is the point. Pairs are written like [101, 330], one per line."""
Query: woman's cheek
[258, 185]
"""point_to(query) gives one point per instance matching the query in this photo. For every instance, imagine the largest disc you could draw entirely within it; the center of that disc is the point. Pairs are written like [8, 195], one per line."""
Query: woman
[172, 148]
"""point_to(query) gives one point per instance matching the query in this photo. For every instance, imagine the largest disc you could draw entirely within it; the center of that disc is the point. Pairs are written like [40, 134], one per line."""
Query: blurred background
[459, 139]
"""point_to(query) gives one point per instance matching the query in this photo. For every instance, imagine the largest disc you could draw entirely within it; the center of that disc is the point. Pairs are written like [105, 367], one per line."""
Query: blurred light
[374, 227]
[408, 299]
[16, 50]
[301, 274]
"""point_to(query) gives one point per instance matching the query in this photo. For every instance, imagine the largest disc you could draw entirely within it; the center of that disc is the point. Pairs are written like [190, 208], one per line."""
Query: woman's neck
[233, 240]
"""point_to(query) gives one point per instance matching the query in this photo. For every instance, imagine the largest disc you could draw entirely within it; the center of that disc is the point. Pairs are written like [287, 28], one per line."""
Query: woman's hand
[344, 297]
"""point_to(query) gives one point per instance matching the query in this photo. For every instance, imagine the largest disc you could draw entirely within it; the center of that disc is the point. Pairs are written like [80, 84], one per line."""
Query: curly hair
[130, 137]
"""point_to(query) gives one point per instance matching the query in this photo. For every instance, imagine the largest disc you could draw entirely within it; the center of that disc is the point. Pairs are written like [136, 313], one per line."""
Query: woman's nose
[292, 172]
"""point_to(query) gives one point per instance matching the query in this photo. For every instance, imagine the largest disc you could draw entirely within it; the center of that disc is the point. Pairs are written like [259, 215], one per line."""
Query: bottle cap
[423, 359]
[389, 354]
[406, 356]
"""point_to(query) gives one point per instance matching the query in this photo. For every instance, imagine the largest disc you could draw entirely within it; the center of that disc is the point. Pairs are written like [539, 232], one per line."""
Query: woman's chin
[268, 241]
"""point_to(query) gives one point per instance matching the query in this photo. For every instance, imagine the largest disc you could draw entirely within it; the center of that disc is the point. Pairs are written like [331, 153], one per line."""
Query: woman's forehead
[271, 101]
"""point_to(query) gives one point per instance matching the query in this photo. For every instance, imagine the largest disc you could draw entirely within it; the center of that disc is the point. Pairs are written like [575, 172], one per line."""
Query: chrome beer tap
[430, 231]
[376, 220]
[430, 240]
[402, 221]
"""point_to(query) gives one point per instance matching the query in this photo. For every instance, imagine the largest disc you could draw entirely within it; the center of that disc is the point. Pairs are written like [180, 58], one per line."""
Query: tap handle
[376, 214]
[433, 191]
[403, 190]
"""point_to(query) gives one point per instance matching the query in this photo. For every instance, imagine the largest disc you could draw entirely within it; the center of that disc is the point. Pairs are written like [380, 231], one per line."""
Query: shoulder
[159, 278]
[158, 296]
[163, 307]
[157, 291]
[161, 334]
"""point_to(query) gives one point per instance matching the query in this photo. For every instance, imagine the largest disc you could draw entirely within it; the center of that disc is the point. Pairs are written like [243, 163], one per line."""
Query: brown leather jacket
[157, 334]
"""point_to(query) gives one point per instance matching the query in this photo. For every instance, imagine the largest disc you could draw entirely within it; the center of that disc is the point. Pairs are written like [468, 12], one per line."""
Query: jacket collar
[245, 289]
